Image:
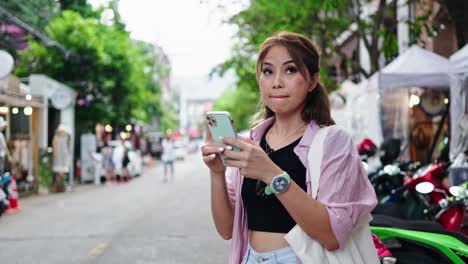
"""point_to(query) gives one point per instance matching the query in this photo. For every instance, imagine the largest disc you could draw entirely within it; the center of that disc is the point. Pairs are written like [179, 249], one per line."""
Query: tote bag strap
[314, 158]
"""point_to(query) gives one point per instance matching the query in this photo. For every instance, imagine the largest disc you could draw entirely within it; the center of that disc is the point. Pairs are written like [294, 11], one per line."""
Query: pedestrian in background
[125, 162]
[265, 192]
[167, 157]
[108, 162]
[4, 151]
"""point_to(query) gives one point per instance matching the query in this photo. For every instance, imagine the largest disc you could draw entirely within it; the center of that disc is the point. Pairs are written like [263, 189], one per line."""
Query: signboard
[61, 99]
[88, 165]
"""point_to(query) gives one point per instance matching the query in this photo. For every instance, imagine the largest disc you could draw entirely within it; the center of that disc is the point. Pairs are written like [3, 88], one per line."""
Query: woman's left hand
[252, 161]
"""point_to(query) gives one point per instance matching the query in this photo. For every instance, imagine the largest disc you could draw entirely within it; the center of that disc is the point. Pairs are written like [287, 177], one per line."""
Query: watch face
[280, 184]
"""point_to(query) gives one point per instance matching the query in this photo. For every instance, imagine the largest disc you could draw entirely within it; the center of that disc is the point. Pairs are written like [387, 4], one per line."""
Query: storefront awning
[458, 102]
[13, 93]
[13, 100]
[415, 67]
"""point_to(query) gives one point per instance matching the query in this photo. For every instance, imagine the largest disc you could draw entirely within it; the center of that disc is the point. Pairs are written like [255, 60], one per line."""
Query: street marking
[98, 250]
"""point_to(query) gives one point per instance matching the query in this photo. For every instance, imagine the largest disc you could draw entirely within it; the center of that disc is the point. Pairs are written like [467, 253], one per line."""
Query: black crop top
[267, 213]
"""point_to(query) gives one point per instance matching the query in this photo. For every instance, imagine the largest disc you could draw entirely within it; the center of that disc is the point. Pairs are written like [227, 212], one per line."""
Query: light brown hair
[307, 58]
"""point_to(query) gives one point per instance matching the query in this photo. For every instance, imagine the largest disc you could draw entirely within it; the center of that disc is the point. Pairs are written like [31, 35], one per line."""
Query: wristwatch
[279, 184]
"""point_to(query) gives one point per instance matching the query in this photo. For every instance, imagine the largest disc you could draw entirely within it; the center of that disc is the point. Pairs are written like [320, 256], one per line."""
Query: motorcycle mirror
[391, 169]
[457, 191]
[424, 187]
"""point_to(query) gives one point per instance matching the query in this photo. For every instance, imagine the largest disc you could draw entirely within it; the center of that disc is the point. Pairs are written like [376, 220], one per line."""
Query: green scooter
[412, 246]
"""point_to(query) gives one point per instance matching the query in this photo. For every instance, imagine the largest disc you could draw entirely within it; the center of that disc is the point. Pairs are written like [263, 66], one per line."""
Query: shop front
[414, 92]
[407, 100]
[19, 109]
[57, 123]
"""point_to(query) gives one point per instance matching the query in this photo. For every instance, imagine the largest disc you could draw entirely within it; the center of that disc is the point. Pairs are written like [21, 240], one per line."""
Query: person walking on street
[168, 156]
[108, 162]
[265, 190]
[4, 151]
[125, 162]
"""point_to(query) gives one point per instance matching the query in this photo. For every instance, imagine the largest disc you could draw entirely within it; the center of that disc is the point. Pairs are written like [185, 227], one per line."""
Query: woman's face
[282, 86]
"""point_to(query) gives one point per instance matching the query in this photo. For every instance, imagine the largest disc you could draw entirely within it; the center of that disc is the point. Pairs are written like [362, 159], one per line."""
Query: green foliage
[80, 6]
[320, 20]
[112, 74]
[169, 118]
[239, 103]
[421, 23]
[323, 21]
[45, 169]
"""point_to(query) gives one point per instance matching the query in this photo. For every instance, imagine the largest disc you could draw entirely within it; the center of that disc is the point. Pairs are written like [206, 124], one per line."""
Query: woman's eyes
[291, 69]
[267, 71]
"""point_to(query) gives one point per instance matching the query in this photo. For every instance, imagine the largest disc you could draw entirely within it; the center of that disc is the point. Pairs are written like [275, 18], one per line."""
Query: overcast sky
[189, 31]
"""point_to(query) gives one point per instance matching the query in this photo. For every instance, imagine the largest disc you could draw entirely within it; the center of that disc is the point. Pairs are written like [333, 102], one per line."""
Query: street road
[142, 221]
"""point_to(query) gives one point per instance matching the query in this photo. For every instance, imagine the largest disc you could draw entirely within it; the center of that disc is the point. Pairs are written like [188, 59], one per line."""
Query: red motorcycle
[451, 218]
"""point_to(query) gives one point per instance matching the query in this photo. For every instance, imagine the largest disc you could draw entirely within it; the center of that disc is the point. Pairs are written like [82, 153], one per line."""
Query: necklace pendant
[269, 151]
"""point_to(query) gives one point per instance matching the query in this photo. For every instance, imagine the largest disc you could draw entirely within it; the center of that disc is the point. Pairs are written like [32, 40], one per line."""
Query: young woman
[256, 214]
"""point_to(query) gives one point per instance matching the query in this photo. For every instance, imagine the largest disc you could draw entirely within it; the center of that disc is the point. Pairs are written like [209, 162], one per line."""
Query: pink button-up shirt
[344, 187]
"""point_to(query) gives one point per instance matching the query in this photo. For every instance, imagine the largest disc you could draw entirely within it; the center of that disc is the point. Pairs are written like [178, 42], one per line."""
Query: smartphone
[220, 125]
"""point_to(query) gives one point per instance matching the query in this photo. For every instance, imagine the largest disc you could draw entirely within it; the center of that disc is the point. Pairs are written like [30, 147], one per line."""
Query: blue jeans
[280, 256]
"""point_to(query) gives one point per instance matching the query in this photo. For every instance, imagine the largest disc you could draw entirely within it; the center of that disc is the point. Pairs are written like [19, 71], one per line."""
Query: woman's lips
[279, 96]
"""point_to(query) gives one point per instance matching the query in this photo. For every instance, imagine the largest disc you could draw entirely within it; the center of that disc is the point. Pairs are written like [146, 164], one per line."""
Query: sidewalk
[78, 188]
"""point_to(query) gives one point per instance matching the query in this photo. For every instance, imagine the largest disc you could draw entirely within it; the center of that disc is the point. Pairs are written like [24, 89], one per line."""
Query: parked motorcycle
[422, 241]
[374, 158]
[386, 173]
[450, 211]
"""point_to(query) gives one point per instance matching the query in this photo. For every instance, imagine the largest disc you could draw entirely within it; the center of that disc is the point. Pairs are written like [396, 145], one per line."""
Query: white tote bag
[359, 249]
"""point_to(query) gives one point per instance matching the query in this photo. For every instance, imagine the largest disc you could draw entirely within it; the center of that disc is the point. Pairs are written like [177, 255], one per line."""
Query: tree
[80, 6]
[377, 31]
[158, 67]
[323, 21]
[108, 70]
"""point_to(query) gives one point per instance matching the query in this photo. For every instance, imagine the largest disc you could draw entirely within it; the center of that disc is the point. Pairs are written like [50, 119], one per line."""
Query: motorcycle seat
[417, 225]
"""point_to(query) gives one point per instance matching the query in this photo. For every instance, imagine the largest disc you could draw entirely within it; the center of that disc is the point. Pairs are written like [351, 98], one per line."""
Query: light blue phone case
[221, 125]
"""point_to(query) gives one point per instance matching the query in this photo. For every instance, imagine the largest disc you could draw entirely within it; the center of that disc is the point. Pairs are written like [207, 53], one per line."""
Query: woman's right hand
[211, 152]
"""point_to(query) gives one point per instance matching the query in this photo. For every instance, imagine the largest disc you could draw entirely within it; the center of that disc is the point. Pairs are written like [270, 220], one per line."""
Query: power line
[27, 5]
[42, 14]
[47, 41]
[22, 17]
[38, 9]
[34, 9]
